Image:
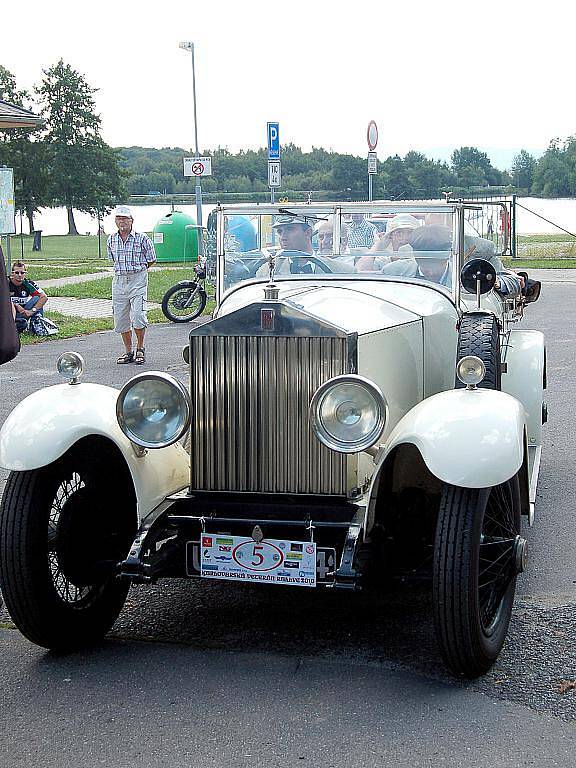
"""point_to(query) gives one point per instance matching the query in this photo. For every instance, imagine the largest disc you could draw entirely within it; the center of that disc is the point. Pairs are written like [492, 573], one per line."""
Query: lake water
[53, 221]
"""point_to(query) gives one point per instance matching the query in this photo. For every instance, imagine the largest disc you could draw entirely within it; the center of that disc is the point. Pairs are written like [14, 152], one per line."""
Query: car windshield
[313, 243]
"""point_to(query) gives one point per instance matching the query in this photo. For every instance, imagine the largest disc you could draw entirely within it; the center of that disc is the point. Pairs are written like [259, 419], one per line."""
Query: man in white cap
[294, 233]
[132, 253]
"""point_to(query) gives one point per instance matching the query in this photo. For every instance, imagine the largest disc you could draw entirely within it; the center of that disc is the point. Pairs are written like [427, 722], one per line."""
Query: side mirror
[532, 288]
[478, 276]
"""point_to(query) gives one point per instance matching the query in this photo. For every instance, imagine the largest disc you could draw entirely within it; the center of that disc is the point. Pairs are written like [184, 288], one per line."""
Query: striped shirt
[131, 256]
[361, 234]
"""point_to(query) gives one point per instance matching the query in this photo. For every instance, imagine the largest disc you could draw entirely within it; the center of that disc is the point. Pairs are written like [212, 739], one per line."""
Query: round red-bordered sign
[197, 168]
[372, 135]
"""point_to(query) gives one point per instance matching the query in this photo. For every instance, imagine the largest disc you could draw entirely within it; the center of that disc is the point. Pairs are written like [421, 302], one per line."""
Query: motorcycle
[187, 299]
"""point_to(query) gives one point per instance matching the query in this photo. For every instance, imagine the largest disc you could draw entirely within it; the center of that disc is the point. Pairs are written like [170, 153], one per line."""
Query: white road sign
[7, 221]
[372, 135]
[372, 162]
[274, 173]
[197, 166]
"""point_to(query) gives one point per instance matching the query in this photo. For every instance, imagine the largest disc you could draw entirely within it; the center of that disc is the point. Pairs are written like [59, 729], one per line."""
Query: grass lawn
[554, 238]
[39, 272]
[63, 250]
[556, 247]
[158, 283]
[69, 327]
[80, 326]
[535, 263]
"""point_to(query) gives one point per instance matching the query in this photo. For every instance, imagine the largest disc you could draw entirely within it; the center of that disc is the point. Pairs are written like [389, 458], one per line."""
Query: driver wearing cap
[294, 234]
[295, 240]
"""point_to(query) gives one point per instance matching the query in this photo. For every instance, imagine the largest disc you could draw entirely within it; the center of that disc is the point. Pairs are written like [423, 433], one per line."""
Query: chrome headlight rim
[471, 370]
[166, 378]
[70, 365]
[352, 446]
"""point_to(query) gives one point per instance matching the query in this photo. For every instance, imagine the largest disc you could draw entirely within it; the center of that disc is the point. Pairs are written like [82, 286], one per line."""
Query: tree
[348, 174]
[473, 168]
[551, 177]
[84, 172]
[523, 167]
[24, 152]
[426, 177]
[395, 178]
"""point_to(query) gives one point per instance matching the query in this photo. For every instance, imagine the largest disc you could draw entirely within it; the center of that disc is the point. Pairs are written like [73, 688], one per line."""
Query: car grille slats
[250, 428]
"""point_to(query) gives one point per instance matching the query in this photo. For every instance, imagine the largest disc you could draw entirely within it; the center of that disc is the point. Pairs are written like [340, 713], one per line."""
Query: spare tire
[480, 336]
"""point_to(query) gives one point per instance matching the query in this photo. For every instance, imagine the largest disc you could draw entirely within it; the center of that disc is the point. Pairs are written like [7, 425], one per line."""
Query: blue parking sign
[273, 141]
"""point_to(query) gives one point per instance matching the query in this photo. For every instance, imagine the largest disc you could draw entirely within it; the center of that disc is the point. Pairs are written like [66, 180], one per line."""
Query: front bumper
[166, 547]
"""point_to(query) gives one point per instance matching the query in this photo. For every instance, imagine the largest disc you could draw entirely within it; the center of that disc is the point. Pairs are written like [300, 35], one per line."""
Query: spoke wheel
[61, 538]
[476, 560]
[184, 302]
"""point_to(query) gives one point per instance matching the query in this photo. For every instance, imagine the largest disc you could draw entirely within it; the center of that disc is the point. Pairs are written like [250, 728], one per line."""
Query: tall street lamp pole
[187, 45]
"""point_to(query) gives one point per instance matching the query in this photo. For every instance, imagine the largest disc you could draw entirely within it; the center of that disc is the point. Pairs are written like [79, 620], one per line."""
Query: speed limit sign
[197, 166]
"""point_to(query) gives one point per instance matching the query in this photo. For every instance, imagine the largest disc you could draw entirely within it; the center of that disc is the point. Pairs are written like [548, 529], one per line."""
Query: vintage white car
[360, 404]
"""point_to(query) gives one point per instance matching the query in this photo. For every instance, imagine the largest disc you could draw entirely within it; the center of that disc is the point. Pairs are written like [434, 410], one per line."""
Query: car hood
[361, 306]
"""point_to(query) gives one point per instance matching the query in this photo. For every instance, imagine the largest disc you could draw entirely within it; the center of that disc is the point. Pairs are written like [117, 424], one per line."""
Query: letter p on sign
[273, 141]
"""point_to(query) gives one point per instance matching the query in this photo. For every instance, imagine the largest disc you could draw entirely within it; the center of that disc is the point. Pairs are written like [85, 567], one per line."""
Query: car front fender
[468, 438]
[50, 421]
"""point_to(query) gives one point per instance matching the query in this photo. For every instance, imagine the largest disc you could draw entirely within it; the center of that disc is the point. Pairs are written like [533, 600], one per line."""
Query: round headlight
[70, 365]
[348, 413]
[470, 370]
[153, 410]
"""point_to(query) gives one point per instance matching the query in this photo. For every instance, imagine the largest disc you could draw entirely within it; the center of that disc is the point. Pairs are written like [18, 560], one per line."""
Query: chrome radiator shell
[250, 398]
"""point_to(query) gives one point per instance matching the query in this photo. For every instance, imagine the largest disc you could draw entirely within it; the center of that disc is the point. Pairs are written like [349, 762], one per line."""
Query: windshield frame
[335, 211]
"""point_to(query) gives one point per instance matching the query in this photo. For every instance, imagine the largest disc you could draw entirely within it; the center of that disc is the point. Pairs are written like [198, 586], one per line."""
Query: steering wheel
[299, 259]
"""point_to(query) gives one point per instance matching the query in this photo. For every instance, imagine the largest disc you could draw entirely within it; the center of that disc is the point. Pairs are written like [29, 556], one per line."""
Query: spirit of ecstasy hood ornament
[271, 290]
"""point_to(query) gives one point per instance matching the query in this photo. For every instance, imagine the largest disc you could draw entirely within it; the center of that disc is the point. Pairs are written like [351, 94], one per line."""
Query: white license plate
[270, 561]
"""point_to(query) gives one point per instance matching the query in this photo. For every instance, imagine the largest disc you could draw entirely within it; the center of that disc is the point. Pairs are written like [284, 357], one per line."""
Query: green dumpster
[175, 238]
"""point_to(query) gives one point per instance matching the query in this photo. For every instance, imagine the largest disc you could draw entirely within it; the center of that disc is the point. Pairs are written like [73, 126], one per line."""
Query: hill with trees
[329, 174]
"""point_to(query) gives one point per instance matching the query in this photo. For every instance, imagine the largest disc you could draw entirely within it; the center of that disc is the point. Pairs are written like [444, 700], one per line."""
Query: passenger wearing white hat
[398, 234]
[393, 244]
[132, 254]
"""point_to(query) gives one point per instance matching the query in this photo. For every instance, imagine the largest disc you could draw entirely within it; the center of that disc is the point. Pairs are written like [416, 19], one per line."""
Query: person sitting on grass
[27, 297]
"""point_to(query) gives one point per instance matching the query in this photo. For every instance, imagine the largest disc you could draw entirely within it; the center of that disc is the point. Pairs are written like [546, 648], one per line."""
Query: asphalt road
[208, 674]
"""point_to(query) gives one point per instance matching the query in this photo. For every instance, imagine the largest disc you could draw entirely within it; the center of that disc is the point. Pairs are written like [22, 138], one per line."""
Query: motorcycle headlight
[348, 413]
[153, 410]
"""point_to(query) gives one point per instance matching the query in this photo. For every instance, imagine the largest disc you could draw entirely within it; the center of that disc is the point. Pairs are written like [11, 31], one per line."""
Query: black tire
[474, 578]
[62, 534]
[184, 301]
[479, 335]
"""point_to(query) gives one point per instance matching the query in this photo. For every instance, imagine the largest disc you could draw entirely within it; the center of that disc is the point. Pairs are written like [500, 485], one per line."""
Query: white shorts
[129, 301]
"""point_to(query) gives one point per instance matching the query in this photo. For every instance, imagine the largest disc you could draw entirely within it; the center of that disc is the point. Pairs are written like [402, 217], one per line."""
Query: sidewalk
[58, 282]
[82, 307]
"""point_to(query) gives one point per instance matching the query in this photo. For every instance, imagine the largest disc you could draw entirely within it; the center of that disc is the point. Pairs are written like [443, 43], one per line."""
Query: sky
[435, 76]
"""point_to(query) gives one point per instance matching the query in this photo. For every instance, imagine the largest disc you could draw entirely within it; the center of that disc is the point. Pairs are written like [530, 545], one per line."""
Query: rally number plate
[270, 561]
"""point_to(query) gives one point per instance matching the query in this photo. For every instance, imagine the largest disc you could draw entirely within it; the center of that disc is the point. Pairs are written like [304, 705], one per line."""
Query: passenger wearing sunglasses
[26, 296]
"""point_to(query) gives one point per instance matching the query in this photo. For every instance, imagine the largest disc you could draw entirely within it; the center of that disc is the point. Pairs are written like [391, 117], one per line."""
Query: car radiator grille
[250, 429]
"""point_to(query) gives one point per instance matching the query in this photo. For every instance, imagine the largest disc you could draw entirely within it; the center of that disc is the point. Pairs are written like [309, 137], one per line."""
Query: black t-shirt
[21, 293]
